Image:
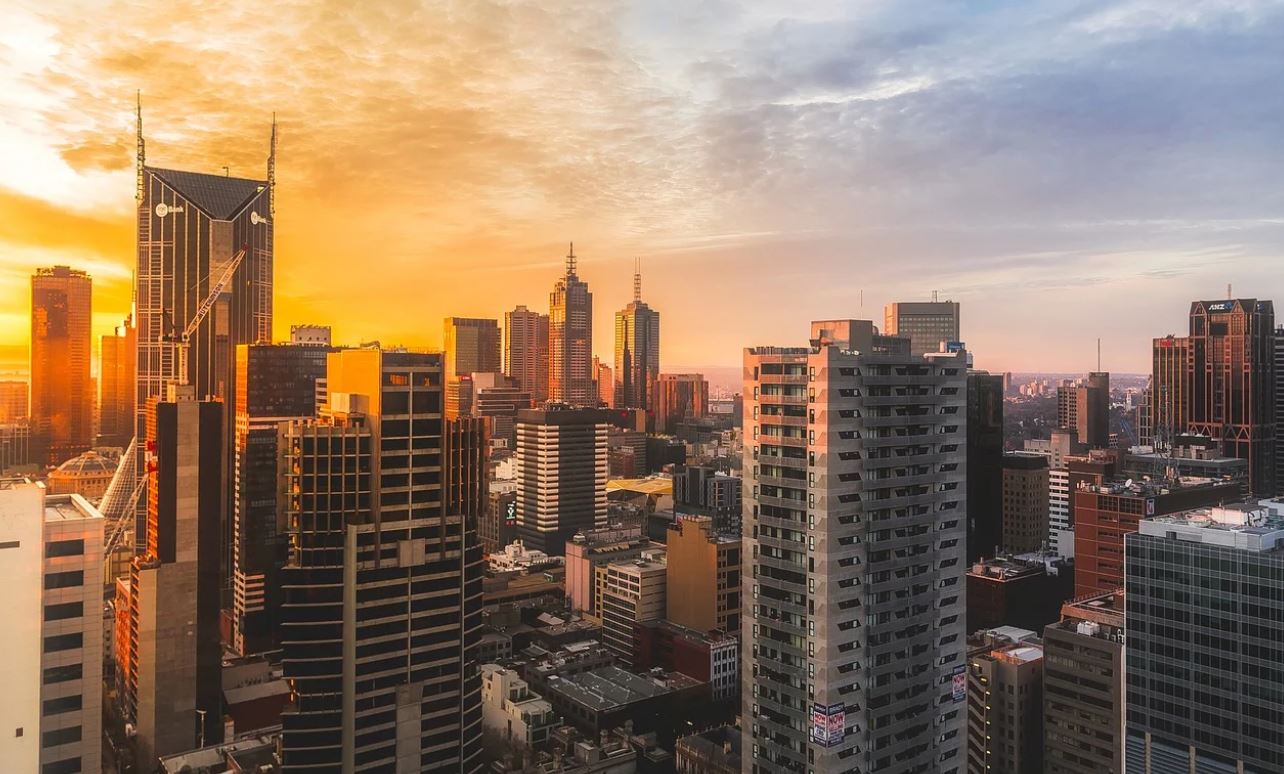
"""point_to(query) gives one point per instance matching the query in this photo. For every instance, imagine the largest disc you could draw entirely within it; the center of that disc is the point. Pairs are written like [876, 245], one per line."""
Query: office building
[13, 402]
[711, 657]
[1188, 456]
[1005, 701]
[1170, 387]
[1232, 398]
[570, 339]
[15, 446]
[1279, 409]
[561, 475]
[1083, 687]
[1084, 407]
[590, 549]
[62, 396]
[512, 711]
[1219, 382]
[854, 554]
[52, 565]
[704, 491]
[1024, 591]
[603, 382]
[716, 751]
[633, 592]
[703, 576]
[471, 346]
[637, 351]
[116, 368]
[1105, 513]
[457, 397]
[985, 464]
[174, 692]
[1025, 502]
[1095, 467]
[379, 499]
[925, 323]
[526, 351]
[191, 225]
[679, 398]
[1204, 613]
[626, 453]
[275, 383]
[499, 400]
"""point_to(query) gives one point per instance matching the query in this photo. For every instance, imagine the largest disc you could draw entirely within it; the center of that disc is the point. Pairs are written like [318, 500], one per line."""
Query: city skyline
[485, 180]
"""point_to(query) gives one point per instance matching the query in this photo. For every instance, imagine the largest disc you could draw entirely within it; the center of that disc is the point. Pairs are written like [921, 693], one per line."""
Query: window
[59, 706]
[57, 642]
[61, 674]
[65, 548]
[60, 736]
[68, 766]
[64, 611]
[64, 580]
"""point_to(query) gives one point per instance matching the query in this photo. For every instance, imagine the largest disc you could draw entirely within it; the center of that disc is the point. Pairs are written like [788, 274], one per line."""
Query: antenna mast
[637, 280]
[271, 170]
[142, 146]
[570, 261]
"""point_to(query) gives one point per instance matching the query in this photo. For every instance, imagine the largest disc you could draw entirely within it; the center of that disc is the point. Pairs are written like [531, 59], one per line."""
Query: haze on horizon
[1066, 170]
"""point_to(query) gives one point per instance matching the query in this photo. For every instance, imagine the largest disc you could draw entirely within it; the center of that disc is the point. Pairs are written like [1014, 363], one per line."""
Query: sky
[1065, 170]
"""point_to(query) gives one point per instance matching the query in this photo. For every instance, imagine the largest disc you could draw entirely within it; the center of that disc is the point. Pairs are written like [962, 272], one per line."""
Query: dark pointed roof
[218, 196]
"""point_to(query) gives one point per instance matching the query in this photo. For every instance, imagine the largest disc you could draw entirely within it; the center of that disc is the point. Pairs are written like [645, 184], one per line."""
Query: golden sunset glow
[435, 159]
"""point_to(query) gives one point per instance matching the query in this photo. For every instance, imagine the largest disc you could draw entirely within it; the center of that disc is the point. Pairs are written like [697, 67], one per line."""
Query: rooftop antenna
[271, 169]
[1228, 292]
[142, 146]
[936, 296]
[1098, 354]
[227, 171]
[637, 280]
[570, 261]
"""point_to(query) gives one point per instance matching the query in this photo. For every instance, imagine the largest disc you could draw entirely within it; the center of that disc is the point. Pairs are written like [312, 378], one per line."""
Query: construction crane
[182, 339]
[124, 522]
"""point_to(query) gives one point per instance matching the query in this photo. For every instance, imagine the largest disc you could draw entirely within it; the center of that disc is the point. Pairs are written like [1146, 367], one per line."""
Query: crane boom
[215, 291]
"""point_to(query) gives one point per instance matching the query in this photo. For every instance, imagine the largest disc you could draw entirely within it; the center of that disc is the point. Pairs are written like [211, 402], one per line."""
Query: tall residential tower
[855, 503]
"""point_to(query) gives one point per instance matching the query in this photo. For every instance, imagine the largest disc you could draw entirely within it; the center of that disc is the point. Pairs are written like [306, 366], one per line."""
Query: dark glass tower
[984, 464]
[382, 589]
[275, 383]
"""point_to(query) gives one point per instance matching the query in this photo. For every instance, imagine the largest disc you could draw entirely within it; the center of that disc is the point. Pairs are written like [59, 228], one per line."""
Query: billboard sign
[960, 683]
[828, 724]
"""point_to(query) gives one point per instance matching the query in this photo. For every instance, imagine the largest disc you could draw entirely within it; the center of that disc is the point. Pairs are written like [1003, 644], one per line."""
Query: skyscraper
[174, 693]
[275, 383]
[62, 398]
[526, 351]
[925, 323]
[471, 346]
[985, 464]
[561, 475]
[190, 227]
[1025, 501]
[1204, 613]
[1279, 410]
[856, 507]
[637, 351]
[1084, 406]
[13, 401]
[1219, 382]
[679, 397]
[116, 385]
[570, 339]
[382, 589]
[603, 382]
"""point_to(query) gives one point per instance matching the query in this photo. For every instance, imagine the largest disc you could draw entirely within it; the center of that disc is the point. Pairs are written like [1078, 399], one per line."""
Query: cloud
[1001, 151]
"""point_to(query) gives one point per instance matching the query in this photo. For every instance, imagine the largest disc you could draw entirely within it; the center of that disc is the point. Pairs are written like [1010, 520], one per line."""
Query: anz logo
[164, 209]
[257, 219]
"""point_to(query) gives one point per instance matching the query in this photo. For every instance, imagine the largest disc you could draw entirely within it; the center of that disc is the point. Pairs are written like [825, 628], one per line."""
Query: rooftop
[219, 196]
[1152, 487]
[1004, 568]
[69, 507]
[1101, 608]
[610, 687]
[1257, 527]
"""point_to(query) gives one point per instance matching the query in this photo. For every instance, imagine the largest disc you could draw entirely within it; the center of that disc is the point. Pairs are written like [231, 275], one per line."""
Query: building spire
[637, 280]
[142, 146]
[570, 261]
[271, 170]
